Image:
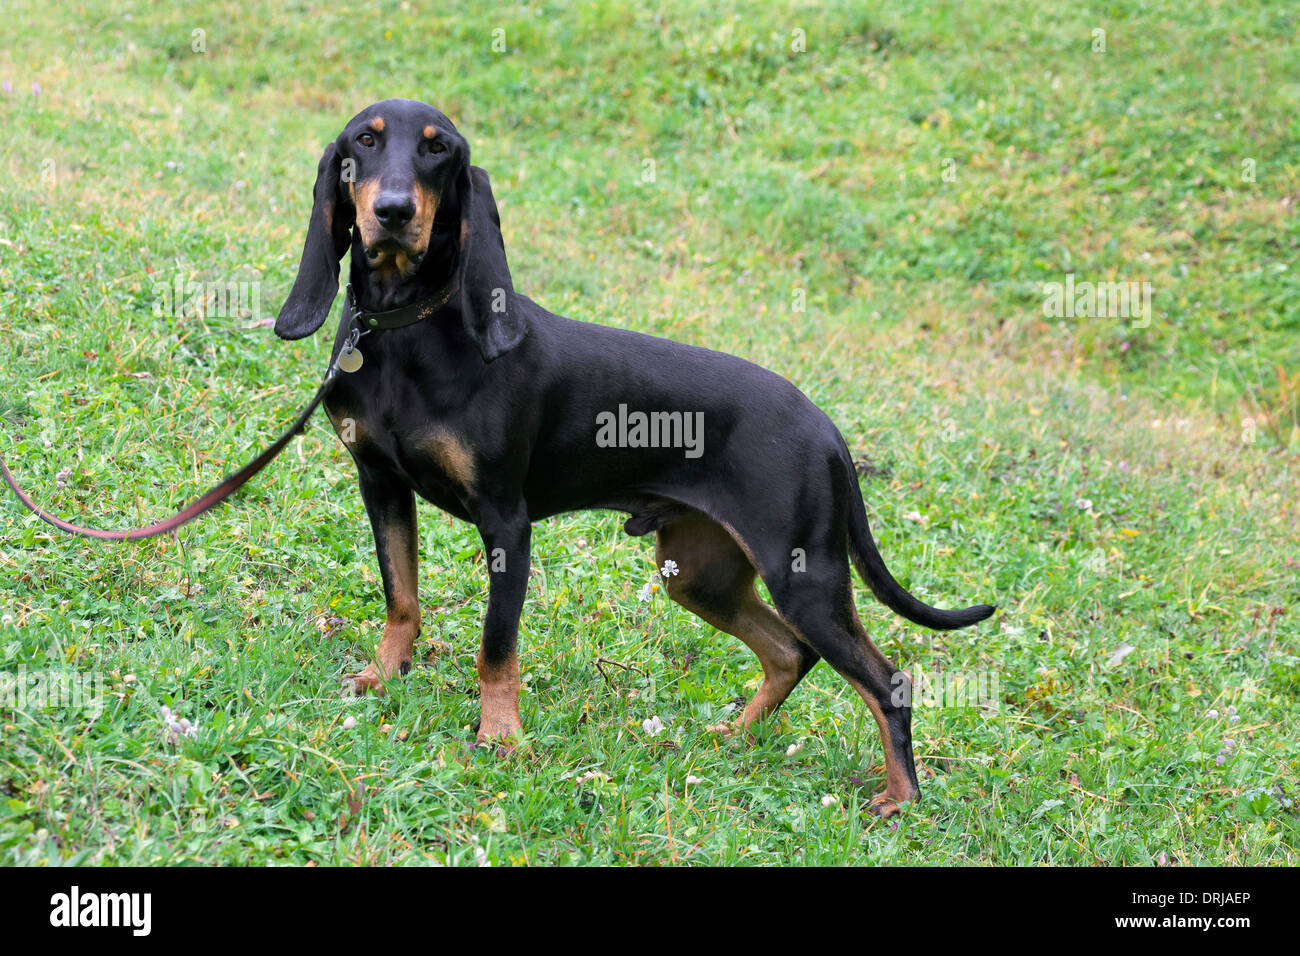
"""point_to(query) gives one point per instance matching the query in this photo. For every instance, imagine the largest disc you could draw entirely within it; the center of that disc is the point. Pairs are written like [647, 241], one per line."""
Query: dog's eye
[365, 139]
[436, 147]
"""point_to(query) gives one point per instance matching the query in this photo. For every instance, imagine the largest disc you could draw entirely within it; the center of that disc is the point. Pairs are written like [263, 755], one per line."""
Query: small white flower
[652, 726]
[1083, 504]
[590, 775]
[1232, 711]
[7, 619]
[692, 780]
[1234, 719]
[646, 593]
[917, 518]
[793, 749]
[1211, 714]
[349, 722]
[669, 569]
[829, 800]
[174, 729]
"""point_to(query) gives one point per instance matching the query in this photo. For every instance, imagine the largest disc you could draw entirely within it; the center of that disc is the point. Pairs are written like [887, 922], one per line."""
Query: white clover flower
[1211, 714]
[652, 726]
[692, 780]
[174, 729]
[349, 722]
[793, 749]
[829, 800]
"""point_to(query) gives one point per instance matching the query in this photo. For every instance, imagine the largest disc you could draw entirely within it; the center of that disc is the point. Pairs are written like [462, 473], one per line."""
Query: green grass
[924, 338]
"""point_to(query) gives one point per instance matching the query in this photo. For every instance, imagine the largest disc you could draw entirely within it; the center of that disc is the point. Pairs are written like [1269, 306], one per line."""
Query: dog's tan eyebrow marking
[430, 132]
[377, 124]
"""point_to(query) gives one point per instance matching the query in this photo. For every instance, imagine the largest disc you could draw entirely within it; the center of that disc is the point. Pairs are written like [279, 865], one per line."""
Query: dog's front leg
[506, 540]
[391, 507]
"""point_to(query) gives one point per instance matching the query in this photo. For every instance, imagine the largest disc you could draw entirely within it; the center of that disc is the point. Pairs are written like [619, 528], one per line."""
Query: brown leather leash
[348, 359]
[228, 486]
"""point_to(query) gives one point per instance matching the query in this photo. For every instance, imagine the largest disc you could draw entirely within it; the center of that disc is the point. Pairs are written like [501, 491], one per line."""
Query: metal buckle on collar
[359, 314]
[404, 315]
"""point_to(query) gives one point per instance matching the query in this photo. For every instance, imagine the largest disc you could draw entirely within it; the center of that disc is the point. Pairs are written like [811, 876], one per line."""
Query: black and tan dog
[483, 403]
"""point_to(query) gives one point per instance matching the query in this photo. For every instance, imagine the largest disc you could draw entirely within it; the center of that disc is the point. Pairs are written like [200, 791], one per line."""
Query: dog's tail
[862, 548]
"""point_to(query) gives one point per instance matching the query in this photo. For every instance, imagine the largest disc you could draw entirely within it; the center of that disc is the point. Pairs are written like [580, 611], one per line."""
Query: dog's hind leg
[814, 596]
[715, 580]
[819, 606]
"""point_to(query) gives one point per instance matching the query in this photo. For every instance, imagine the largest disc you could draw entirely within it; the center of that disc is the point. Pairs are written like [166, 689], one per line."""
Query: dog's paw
[885, 806]
[367, 681]
[502, 746]
[504, 737]
[736, 730]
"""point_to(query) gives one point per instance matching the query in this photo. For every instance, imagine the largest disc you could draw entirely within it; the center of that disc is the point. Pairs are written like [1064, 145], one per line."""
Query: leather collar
[399, 318]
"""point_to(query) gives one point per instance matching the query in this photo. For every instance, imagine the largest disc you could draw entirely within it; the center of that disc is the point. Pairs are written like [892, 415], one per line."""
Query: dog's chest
[399, 435]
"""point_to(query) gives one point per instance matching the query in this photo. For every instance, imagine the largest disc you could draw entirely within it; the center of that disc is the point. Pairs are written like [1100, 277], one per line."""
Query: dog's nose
[394, 210]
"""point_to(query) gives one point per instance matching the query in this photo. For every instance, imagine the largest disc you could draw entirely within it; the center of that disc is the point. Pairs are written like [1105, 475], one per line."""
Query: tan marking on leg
[776, 646]
[454, 456]
[499, 722]
[898, 786]
[402, 616]
[702, 548]
[898, 789]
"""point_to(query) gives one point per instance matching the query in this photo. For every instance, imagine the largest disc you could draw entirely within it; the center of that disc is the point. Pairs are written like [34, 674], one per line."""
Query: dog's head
[394, 167]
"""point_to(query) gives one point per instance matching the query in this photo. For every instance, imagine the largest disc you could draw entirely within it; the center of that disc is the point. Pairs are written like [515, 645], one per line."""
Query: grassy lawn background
[1108, 486]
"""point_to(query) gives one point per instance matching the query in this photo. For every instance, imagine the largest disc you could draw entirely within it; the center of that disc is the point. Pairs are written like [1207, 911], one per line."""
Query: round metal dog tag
[349, 359]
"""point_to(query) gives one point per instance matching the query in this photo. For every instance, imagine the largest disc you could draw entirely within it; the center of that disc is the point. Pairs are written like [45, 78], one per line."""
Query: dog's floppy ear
[489, 309]
[332, 216]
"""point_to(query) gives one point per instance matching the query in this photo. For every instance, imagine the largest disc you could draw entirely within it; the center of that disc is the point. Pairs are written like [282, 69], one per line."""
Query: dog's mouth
[389, 247]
